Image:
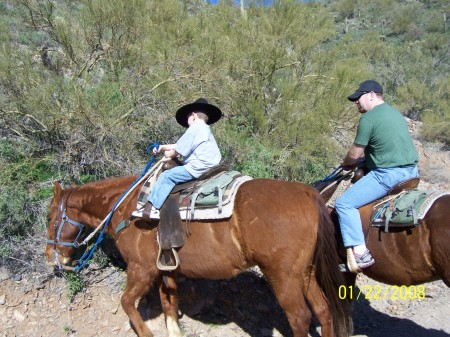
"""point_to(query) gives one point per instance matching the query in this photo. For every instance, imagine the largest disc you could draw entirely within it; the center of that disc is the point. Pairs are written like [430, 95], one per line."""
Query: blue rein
[88, 254]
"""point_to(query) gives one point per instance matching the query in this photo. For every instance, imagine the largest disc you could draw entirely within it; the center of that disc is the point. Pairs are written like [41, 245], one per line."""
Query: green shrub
[25, 191]
[86, 86]
[75, 284]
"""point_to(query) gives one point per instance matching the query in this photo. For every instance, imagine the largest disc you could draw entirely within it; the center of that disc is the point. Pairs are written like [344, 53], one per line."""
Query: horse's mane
[111, 182]
[105, 189]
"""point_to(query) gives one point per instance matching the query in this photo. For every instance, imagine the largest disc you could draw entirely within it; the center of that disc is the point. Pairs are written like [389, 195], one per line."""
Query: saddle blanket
[431, 197]
[205, 198]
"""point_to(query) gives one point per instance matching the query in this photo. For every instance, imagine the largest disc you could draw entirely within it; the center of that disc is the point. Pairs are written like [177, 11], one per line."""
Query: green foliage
[19, 193]
[255, 160]
[403, 45]
[75, 284]
[344, 9]
[105, 69]
[14, 218]
[86, 86]
[23, 197]
[68, 330]
[403, 20]
[437, 118]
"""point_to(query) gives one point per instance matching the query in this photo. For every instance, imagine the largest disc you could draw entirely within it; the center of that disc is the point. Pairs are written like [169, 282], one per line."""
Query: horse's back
[274, 215]
[269, 191]
[272, 220]
[276, 201]
[439, 213]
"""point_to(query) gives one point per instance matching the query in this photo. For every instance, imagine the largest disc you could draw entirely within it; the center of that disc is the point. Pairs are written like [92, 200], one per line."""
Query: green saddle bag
[405, 208]
[211, 193]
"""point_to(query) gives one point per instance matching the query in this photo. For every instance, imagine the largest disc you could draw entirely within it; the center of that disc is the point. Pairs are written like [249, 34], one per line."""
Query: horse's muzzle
[56, 260]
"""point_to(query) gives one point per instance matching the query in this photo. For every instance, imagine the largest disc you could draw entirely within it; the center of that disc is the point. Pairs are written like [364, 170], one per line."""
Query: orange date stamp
[382, 292]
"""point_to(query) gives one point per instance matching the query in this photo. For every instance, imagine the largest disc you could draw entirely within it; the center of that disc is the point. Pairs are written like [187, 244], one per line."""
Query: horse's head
[62, 232]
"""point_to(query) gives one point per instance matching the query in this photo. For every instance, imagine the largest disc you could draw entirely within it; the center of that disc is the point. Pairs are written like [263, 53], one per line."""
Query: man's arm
[354, 153]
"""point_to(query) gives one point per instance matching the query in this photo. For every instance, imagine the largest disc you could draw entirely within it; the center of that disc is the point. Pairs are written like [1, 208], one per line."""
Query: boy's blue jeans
[372, 186]
[166, 182]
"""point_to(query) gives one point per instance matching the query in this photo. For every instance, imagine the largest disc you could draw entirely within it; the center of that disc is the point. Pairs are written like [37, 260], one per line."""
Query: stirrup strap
[164, 267]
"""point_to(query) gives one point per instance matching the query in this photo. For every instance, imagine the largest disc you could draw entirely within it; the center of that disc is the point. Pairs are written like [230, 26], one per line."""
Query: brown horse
[283, 227]
[406, 256]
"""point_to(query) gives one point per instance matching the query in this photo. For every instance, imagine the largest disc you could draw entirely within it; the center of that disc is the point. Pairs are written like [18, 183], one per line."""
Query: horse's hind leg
[288, 292]
[319, 305]
[169, 302]
[138, 284]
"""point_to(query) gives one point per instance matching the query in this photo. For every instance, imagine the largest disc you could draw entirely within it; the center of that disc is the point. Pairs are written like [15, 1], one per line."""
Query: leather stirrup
[164, 266]
[351, 262]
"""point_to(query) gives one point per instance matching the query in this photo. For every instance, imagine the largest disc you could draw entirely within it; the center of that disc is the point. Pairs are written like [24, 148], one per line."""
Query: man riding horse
[384, 139]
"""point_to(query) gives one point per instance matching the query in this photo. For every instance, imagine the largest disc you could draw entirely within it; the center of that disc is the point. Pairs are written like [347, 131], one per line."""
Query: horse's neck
[93, 202]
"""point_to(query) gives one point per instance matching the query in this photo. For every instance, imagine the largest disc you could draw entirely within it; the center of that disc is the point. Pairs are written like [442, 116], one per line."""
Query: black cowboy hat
[200, 105]
[365, 87]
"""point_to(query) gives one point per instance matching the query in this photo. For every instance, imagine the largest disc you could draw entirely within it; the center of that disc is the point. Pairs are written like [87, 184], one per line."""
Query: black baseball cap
[364, 88]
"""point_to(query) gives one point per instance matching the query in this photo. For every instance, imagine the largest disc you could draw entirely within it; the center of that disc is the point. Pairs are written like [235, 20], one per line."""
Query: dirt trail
[243, 306]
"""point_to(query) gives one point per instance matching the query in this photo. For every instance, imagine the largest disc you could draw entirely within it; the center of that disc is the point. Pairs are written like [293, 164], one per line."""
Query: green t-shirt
[384, 132]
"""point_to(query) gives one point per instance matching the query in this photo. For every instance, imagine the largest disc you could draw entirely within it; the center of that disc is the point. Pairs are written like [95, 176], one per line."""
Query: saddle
[384, 209]
[404, 185]
[404, 208]
[171, 235]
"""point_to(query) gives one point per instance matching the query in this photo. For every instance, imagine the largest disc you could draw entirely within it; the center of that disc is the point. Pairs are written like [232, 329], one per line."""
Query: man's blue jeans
[166, 182]
[372, 186]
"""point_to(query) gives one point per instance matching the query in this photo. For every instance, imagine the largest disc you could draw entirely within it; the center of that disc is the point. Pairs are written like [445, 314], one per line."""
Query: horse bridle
[58, 227]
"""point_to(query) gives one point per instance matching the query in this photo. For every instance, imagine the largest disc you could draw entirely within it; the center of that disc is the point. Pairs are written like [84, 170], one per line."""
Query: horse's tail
[328, 276]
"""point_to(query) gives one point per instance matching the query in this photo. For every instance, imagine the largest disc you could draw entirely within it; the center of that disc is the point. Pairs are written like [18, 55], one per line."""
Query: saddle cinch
[206, 192]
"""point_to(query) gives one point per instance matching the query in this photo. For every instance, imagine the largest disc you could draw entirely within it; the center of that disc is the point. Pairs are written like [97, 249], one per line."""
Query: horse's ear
[57, 189]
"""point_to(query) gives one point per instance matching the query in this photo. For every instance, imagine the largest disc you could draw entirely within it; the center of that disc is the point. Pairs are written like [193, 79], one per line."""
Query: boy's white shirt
[198, 148]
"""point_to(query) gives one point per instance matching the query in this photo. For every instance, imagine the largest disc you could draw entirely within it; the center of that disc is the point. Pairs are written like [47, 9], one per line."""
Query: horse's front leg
[138, 284]
[169, 301]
